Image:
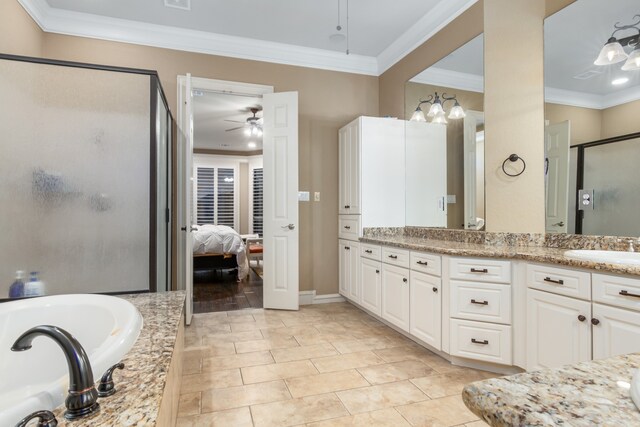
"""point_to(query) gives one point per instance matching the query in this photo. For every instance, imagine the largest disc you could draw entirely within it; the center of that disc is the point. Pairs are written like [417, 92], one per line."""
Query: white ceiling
[295, 32]
[211, 109]
[573, 38]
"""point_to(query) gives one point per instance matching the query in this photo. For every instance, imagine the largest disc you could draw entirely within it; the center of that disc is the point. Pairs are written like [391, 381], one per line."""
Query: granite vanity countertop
[140, 384]
[592, 393]
[529, 253]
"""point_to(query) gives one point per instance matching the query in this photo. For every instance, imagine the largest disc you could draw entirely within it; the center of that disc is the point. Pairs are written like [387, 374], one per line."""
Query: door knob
[288, 227]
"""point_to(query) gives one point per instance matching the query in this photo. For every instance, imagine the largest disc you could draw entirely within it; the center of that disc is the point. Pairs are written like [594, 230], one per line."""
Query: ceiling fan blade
[233, 121]
[239, 127]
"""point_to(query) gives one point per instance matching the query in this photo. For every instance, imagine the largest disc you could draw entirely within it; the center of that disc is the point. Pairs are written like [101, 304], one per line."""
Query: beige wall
[19, 34]
[621, 120]
[414, 92]
[514, 113]
[586, 123]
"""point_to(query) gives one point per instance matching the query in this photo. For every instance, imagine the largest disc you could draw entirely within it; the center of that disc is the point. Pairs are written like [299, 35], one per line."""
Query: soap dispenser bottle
[34, 287]
[16, 290]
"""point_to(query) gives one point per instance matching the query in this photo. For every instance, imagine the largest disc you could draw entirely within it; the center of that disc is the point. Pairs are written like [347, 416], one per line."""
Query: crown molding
[439, 17]
[453, 79]
[121, 30]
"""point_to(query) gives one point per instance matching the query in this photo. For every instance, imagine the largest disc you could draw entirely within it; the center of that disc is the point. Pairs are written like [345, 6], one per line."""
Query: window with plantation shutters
[215, 195]
[256, 203]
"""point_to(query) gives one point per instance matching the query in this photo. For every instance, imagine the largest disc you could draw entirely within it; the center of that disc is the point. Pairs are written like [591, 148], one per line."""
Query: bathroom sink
[611, 257]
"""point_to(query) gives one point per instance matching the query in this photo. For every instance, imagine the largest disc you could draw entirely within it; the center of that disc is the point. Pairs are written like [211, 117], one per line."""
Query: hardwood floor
[220, 291]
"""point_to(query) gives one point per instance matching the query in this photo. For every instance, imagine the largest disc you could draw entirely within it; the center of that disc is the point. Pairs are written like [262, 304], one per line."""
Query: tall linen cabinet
[371, 190]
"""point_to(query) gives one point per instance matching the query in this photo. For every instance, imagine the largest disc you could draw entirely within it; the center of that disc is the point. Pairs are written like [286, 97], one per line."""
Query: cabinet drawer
[481, 341]
[614, 290]
[394, 256]
[485, 302]
[560, 281]
[480, 270]
[426, 263]
[349, 227]
[371, 251]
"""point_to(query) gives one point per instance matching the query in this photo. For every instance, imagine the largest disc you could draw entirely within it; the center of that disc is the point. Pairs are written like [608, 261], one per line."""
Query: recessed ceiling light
[178, 4]
[252, 145]
[619, 81]
[337, 37]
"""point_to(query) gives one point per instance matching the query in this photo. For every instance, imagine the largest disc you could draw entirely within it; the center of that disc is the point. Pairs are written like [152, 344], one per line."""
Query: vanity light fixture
[436, 111]
[613, 51]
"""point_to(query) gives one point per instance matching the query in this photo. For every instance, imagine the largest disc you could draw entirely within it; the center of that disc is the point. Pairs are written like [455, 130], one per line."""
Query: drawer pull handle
[347, 248]
[347, 207]
[479, 270]
[405, 280]
[582, 318]
[475, 341]
[422, 263]
[434, 289]
[628, 294]
[369, 251]
[393, 256]
[479, 302]
[348, 227]
[557, 282]
[595, 321]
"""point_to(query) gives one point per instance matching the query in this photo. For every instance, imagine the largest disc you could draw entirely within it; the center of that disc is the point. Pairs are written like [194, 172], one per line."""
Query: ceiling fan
[252, 125]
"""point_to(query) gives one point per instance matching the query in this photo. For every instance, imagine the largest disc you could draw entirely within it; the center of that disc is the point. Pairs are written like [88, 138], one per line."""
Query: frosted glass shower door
[611, 171]
[75, 163]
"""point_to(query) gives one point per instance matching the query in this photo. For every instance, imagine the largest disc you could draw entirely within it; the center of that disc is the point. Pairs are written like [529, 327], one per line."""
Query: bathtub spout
[82, 399]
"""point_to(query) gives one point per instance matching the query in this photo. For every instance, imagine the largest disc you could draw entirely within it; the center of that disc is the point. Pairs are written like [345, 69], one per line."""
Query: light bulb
[457, 112]
[436, 109]
[418, 116]
[439, 119]
[611, 53]
[633, 62]
[254, 130]
[247, 131]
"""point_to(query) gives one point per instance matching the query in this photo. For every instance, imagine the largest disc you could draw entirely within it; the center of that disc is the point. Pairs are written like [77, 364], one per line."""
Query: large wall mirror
[592, 111]
[444, 138]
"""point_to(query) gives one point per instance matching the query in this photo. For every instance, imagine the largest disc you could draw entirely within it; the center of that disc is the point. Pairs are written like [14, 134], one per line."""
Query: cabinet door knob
[595, 321]
[377, 271]
[347, 207]
[405, 280]
[582, 318]
[434, 289]
[347, 248]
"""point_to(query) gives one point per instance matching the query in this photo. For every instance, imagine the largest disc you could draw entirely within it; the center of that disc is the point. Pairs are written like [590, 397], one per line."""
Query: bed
[219, 247]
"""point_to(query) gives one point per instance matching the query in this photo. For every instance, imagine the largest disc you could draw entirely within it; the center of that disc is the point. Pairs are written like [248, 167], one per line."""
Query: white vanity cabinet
[395, 295]
[425, 308]
[371, 285]
[558, 330]
[371, 191]
[349, 269]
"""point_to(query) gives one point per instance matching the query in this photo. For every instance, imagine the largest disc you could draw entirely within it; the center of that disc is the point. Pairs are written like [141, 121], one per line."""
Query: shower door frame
[155, 87]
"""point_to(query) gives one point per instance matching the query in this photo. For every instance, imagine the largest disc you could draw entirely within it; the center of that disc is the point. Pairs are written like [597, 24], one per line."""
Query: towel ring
[514, 158]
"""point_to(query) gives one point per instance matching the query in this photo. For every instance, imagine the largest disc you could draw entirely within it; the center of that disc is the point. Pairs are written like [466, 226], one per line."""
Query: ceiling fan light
[436, 110]
[457, 112]
[418, 116]
[611, 53]
[439, 119]
[633, 62]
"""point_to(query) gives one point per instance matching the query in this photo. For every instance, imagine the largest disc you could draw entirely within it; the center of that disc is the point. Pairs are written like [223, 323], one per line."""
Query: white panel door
[185, 189]
[395, 295]
[344, 259]
[370, 285]
[354, 272]
[280, 154]
[556, 143]
[558, 330]
[426, 308]
[426, 174]
[617, 331]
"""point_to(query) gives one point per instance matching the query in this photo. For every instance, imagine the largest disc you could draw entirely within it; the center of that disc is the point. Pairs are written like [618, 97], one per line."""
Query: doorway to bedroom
[227, 201]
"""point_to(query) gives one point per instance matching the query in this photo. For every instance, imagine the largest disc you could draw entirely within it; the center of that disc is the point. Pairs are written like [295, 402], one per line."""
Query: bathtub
[107, 327]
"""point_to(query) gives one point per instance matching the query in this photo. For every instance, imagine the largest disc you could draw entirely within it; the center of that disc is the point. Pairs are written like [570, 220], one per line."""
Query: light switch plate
[303, 196]
[451, 199]
[316, 196]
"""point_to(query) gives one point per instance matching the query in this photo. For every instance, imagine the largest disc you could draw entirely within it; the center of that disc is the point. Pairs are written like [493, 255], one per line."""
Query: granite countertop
[529, 253]
[592, 393]
[140, 384]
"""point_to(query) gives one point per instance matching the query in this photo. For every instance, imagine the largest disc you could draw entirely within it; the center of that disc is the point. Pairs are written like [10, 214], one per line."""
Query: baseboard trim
[310, 297]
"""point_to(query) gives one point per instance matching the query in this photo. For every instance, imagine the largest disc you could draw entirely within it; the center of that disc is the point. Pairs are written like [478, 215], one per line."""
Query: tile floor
[325, 365]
